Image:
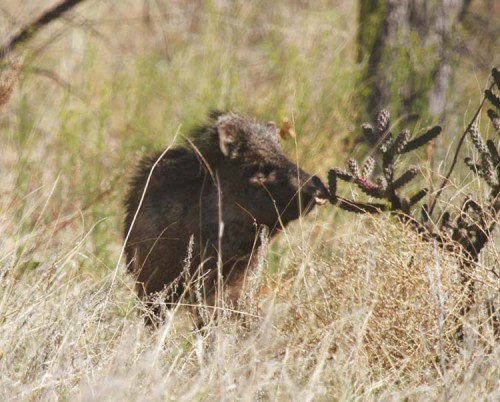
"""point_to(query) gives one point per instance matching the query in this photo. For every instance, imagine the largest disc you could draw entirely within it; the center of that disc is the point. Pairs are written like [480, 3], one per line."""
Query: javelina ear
[272, 129]
[227, 139]
[271, 125]
[214, 114]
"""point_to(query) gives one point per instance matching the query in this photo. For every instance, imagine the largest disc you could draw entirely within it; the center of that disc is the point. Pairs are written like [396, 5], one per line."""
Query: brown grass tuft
[9, 75]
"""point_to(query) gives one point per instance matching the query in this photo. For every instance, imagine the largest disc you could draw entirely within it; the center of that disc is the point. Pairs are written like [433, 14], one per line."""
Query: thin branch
[31, 28]
[455, 157]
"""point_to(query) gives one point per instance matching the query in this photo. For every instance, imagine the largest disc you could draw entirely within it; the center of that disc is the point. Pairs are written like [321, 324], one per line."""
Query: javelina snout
[227, 180]
[285, 193]
[313, 193]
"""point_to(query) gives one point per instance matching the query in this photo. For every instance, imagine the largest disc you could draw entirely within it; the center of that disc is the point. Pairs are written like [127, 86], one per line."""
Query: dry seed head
[286, 129]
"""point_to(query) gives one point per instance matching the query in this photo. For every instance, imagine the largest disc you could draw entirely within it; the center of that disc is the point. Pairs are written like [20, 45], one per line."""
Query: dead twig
[32, 27]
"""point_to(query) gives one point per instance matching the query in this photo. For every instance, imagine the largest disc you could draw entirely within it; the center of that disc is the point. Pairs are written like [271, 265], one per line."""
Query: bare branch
[32, 27]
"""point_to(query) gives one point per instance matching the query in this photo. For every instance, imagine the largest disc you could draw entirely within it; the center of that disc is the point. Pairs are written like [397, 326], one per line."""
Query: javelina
[228, 179]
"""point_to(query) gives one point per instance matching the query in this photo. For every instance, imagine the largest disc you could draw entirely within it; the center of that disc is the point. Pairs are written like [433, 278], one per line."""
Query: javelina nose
[316, 189]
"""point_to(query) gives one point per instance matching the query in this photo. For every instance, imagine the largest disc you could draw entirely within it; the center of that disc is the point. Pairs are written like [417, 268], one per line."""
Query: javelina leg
[223, 303]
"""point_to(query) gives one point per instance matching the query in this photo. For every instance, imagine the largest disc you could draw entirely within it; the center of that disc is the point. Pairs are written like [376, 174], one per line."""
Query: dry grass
[344, 307]
[370, 318]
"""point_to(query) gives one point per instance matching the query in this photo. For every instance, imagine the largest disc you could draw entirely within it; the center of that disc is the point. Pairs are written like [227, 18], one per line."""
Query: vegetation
[342, 306]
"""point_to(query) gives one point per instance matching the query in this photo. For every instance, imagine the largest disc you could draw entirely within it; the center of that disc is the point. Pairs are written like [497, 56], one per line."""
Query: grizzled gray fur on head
[220, 187]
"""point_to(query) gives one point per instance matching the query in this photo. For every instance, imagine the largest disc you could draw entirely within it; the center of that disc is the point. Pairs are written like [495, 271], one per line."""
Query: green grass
[345, 308]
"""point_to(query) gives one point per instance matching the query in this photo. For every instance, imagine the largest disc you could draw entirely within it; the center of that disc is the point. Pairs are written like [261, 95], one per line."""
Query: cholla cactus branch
[495, 73]
[477, 139]
[495, 119]
[370, 188]
[383, 121]
[495, 156]
[332, 185]
[399, 143]
[469, 203]
[381, 182]
[446, 223]
[473, 166]
[405, 205]
[342, 174]
[489, 170]
[368, 167]
[353, 167]
[418, 196]
[386, 144]
[405, 178]
[494, 99]
[388, 170]
[465, 235]
[429, 135]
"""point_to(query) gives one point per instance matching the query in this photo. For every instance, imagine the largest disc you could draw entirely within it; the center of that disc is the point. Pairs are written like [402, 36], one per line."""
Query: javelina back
[226, 181]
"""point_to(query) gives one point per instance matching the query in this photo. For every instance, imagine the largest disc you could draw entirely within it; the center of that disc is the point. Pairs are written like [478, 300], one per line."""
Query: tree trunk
[407, 46]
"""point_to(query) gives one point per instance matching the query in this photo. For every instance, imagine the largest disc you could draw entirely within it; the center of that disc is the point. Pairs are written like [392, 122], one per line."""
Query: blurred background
[108, 81]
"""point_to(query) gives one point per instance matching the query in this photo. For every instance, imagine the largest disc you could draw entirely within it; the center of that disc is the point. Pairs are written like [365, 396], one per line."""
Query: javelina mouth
[319, 200]
[321, 194]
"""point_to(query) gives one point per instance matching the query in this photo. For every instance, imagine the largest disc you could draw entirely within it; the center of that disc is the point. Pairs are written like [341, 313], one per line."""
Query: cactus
[464, 235]
[495, 119]
[494, 99]
[429, 135]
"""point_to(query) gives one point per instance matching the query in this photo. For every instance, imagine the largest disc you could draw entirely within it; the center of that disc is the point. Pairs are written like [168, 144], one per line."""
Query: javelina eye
[267, 170]
[259, 174]
[257, 179]
[268, 174]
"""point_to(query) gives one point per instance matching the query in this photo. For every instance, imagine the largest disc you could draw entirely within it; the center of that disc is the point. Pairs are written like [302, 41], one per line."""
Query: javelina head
[258, 177]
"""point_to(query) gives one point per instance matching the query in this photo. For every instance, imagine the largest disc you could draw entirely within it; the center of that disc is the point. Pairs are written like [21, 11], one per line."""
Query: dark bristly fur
[227, 180]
